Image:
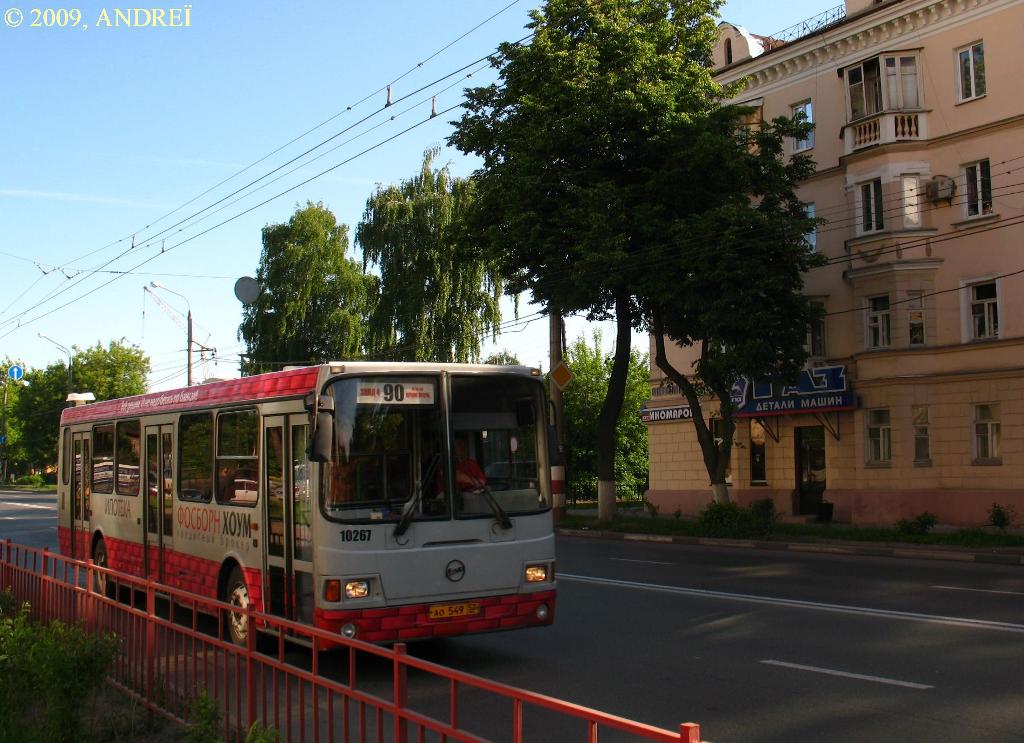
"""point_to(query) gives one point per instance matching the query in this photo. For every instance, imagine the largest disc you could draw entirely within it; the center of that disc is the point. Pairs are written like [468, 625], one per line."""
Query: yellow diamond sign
[561, 375]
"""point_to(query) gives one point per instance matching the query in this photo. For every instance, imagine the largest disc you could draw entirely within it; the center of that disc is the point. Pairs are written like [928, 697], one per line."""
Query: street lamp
[188, 327]
[71, 382]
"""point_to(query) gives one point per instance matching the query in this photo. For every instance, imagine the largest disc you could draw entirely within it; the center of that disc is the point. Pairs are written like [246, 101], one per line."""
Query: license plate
[453, 611]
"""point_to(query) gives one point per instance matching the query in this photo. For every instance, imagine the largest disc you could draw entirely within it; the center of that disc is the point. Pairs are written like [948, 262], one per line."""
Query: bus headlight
[536, 573]
[357, 589]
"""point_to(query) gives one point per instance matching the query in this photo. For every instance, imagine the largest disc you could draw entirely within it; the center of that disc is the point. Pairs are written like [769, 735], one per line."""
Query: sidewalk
[989, 555]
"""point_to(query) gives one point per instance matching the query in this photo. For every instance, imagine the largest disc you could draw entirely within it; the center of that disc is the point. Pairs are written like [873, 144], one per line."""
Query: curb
[831, 548]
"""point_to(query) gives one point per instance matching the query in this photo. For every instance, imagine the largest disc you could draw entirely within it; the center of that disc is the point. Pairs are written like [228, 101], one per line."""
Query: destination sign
[392, 391]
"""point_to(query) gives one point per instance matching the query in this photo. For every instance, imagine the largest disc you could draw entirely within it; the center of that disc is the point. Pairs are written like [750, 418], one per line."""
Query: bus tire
[236, 593]
[101, 582]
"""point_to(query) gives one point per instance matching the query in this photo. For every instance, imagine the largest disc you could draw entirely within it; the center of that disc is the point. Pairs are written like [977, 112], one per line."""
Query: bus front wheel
[236, 593]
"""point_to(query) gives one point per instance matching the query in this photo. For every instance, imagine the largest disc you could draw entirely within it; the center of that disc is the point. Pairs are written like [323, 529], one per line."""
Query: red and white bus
[329, 494]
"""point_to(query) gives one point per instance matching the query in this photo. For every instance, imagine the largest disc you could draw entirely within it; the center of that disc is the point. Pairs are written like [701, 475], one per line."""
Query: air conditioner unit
[940, 188]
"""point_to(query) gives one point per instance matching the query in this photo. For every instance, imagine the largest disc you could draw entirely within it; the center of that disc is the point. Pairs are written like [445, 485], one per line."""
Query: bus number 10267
[355, 535]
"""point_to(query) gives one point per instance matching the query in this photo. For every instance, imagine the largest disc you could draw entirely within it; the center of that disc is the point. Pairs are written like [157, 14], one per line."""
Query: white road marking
[799, 604]
[979, 590]
[645, 562]
[27, 505]
[847, 674]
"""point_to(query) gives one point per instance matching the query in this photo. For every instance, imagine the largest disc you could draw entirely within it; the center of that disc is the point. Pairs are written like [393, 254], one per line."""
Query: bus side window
[195, 451]
[237, 441]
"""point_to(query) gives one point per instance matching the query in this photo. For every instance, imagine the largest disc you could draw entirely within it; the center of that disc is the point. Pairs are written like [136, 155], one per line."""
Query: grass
[31, 488]
[798, 532]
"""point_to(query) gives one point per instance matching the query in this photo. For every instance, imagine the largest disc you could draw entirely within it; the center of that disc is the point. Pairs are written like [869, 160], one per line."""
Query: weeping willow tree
[314, 300]
[438, 297]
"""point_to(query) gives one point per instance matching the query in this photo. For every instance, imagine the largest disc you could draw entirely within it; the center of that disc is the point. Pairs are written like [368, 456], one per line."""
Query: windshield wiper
[410, 508]
[499, 512]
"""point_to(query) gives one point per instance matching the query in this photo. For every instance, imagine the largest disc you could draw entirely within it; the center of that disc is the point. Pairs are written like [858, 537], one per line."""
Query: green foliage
[35, 480]
[922, 523]
[314, 301]
[438, 295]
[1002, 517]
[503, 357]
[732, 520]
[117, 370]
[575, 138]
[47, 674]
[204, 720]
[259, 734]
[581, 401]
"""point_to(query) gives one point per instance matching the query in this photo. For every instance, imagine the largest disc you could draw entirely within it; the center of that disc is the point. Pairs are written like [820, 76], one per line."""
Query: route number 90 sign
[392, 391]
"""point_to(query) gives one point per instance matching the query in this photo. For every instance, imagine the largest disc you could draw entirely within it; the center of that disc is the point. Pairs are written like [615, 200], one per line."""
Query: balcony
[885, 128]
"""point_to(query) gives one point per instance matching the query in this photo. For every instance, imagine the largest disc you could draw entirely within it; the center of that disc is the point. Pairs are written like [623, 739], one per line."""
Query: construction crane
[181, 323]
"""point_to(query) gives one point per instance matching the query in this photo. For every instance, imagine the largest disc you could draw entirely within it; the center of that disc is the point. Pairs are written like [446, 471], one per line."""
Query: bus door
[81, 488]
[288, 583]
[159, 510]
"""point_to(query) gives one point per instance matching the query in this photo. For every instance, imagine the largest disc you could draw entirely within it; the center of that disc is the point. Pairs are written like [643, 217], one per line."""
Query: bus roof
[289, 383]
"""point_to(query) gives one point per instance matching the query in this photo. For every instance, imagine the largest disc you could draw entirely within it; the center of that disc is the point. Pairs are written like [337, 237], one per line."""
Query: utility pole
[555, 393]
[188, 335]
[3, 435]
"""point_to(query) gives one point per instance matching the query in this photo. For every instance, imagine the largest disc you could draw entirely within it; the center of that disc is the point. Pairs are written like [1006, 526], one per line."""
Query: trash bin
[825, 511]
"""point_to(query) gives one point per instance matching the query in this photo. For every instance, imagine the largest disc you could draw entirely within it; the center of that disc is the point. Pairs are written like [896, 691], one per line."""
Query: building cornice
[845, 43]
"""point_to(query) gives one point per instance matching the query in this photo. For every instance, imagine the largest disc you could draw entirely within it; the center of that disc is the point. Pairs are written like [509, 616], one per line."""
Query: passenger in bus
[469, 475]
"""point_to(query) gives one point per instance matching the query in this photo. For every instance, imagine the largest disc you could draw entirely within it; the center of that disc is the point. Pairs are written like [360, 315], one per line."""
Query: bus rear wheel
[236, 593]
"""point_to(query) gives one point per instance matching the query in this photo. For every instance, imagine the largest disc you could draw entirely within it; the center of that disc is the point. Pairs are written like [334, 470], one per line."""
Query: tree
[730, 275]
[438, 296]
[503, 356]
[119, 370]
[573, 139]
[314, 301]
[591, 368]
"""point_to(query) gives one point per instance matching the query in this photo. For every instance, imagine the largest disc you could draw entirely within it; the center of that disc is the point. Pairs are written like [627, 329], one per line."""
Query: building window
[879, 436]
[915, 317]
[971, 64]
[871, 212]
[865, 89]
[922, 447]
[804, 112]
[758, 470]
[984, 311]
[812, 236]
[815, 345]
[867, 92]
[728, 51]
[986, 433]
[901, 82]
[879, 322]
[978, 189]
[911, 201]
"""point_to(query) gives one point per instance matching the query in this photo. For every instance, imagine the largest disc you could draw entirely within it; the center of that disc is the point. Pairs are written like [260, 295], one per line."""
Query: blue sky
[107, 130]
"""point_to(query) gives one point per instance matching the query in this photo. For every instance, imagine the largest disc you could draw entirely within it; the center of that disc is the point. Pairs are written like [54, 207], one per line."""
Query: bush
[204, 720]
[35, 480]
[1002, 517]
[733, 520]
[47, 674]
[922, 523]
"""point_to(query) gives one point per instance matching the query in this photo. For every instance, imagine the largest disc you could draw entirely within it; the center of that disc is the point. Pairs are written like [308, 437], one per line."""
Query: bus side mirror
[321, 443]
[554, 448]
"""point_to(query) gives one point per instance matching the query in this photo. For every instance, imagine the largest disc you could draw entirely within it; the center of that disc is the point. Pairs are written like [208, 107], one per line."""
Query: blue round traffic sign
[15, 372]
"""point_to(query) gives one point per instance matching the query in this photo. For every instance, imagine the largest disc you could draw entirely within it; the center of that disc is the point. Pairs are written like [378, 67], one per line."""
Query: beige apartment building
[913, 399]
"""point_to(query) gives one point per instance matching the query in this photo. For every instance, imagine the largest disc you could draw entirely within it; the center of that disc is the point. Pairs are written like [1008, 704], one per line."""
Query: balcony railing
[885, 128]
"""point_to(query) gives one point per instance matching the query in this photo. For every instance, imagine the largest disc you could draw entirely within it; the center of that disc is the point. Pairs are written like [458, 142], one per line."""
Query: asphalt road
[754, 646]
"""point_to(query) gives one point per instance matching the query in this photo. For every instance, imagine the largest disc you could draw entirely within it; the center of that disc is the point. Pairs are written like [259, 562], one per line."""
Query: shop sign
[658, 415]
[820, 389]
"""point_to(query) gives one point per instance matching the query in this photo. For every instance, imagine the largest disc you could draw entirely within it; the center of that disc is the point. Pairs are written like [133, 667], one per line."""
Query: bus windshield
[392, 455]
[494, 454]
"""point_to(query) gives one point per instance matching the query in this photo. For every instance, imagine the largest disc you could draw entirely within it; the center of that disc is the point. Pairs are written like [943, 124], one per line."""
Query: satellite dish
[247, 289]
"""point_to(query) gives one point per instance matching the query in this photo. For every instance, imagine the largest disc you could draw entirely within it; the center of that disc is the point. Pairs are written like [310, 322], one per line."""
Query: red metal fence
[171, 651]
